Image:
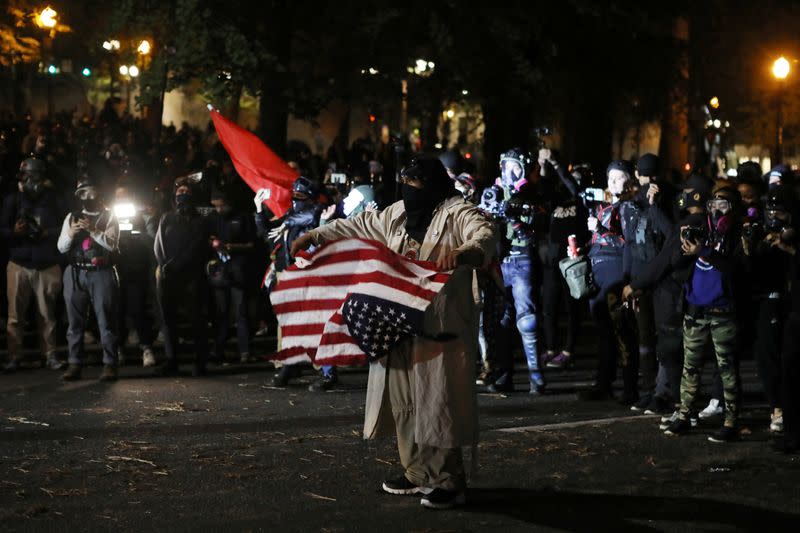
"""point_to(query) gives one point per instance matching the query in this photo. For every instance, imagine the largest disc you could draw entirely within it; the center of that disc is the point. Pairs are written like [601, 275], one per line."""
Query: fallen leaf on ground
[318, 497]
[23, 420]
[130, 459]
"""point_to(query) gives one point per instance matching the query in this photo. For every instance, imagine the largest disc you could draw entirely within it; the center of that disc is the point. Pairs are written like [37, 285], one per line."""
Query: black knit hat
[648, 165]
[698, 183]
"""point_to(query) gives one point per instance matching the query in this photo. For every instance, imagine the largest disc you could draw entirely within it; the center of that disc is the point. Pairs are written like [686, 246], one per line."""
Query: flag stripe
[309, 301]
[306, 305]
[342, 282]
[354, 266]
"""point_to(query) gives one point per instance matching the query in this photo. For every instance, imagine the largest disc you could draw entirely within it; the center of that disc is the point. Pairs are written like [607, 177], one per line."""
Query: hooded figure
[419, 202]
[423, 391]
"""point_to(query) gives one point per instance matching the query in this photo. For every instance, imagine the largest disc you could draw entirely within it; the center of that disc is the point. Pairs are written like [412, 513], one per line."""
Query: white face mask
[351, 202]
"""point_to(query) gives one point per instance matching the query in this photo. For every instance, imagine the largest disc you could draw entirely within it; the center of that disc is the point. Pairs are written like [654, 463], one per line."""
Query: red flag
[259, 167]
[349, 301]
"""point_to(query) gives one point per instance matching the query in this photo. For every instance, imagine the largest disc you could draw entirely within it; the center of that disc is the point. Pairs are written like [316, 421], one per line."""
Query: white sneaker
[713, 409]
[776, 423]
[148, 358]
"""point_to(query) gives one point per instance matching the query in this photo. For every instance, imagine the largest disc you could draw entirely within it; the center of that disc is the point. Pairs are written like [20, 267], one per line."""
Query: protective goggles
[719, 204]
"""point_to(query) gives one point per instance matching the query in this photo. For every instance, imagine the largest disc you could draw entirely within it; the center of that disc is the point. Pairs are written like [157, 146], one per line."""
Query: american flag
[350, 301]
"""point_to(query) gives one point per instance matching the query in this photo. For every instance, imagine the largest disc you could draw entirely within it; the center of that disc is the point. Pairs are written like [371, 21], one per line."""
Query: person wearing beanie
[182, 250]
[645, 227]
[425, 394]
[664, 277]
[90, 239]
[710, 298]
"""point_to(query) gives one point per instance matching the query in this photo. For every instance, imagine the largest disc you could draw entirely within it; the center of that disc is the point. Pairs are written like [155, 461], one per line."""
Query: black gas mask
[89, 199]
[31, 177]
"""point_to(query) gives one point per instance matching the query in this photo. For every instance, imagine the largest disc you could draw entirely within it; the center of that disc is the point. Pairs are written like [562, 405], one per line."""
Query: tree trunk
[674, 142]
[273, 101]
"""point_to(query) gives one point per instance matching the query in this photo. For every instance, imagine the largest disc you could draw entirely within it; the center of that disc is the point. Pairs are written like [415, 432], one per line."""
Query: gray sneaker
[11, 367]
[54, 364]
[148, 358]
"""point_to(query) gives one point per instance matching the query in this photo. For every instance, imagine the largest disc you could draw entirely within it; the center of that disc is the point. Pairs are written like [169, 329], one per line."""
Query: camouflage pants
[696, 331]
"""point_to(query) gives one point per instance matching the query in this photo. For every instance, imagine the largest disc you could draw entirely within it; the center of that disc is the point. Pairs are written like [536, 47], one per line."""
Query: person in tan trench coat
[424, 391]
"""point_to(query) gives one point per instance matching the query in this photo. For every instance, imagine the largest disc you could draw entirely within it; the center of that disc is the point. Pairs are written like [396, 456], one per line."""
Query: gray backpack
[578, 274]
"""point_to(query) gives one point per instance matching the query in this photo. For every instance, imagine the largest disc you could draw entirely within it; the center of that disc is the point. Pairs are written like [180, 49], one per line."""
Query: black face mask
[300, 205]
[91, 205]
[183, 201]
[419, 210]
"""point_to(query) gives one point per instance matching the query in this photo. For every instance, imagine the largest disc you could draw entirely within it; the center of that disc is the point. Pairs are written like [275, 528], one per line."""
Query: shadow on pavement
[574, 511]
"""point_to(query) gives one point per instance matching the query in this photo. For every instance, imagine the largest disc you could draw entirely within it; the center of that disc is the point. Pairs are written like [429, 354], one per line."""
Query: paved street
[231, 452]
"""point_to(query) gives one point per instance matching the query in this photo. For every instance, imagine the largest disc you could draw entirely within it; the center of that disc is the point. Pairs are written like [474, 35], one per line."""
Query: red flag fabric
[259, 167]
[350, 301]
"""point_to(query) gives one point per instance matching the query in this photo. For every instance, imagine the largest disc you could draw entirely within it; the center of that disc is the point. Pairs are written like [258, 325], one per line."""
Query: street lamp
[780, 69]
[144, 47]
[47, 19]
[714, 102]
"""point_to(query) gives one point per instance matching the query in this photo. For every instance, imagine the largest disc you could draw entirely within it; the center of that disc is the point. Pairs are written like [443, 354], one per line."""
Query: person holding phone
[90, 238]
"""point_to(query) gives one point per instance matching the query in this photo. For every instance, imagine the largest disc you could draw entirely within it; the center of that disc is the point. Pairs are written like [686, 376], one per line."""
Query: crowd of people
[672, 270]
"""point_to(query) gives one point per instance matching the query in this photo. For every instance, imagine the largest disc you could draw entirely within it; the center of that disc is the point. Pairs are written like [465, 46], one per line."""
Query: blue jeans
[520, 310]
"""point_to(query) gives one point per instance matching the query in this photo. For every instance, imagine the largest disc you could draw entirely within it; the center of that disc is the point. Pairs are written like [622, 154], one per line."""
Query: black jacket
[48, 213]
[182, 244]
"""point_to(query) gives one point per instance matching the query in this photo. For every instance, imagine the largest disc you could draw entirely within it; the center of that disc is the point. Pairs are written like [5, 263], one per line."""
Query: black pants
[226, 299]
[554, 293]
[790, 366]
[187, 290]
[616, 341]
[132, 303]
[668, 313]
[769, 337]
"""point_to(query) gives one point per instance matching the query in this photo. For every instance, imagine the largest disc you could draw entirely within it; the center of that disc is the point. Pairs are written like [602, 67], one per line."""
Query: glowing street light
[144, 47]
[133, 71]
[714, 102]
[781, 68]
[47, 18]
[422, 67]
[450, 113]
[112, 44]
[123, 69]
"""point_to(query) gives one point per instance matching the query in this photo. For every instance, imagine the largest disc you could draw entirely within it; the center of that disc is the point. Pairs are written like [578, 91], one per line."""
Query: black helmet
[305, 186]
[520, 156]
[32, 165]
[85, 182]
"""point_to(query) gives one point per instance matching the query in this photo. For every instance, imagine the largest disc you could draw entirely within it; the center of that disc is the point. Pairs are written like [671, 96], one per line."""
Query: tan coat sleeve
[478, 234]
